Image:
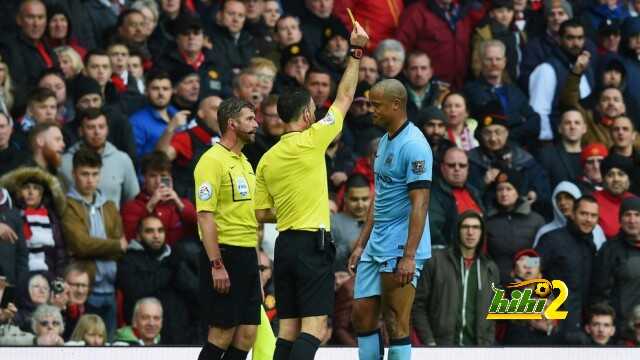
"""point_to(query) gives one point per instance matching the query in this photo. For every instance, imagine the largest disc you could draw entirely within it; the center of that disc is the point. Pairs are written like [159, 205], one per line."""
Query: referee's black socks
[234, 353]
[283, 349]
[305, 347]
[211, 352]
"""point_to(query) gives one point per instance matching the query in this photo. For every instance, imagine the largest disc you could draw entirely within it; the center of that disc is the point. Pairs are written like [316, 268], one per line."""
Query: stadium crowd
[531, 109]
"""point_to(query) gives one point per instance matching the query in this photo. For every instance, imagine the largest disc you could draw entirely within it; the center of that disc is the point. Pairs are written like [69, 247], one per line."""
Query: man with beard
[185, 148]
[433, 123]
[616, 172]
[268, 133]
[230, 291]
[120, 182]
[149, 123]
[548, 79]
[47, 145]
[423, 91]
[333, 56]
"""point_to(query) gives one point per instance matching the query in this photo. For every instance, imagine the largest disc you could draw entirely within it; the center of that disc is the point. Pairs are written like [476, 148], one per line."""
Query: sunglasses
[46, 323]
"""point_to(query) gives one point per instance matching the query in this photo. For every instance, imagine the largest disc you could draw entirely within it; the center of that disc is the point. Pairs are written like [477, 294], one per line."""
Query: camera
[57, 286]
[166, 181]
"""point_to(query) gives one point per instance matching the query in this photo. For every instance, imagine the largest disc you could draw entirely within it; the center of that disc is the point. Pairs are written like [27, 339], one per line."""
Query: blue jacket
[148, 126]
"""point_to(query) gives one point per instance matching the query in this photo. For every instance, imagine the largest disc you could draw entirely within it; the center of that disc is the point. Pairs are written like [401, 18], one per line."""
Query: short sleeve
[326, 129]
[181, 143]
[208, 177]
[263, 198]
[418, 161]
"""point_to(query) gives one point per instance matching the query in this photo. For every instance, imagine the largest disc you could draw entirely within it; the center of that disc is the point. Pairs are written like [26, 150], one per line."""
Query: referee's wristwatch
[217, 264]
[356, 52]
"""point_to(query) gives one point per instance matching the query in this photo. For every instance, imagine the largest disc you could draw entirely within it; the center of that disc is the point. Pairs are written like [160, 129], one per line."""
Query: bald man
[395, 241]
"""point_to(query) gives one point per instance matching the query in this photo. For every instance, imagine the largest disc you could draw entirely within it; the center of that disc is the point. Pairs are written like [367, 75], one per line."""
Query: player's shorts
[368, 282]
[303, 275]
[241, 306]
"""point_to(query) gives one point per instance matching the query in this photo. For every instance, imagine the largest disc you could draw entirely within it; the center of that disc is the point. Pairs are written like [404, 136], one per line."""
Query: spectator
[340, 161]
[609, 36]
[629, 49]
[460, 127]
[600, 325]
[390, 56]
[321, 86]
[150, 12]
[295, 61]
[511, 225]
[40, 199]
[149, 122]
[189, 51]
[97, 65]
[70, 62]
[567, 254]
[92, 20]
[146, 325]
[334, 53]
[287, 33]
[130, 29]
[430, 26]
[119, 55]
[137, 71]
[145, 269]
[562, 159]
[359, 130]
[119, 182]
[591, 159]
[316, 18]
[38, 293]
[54, 80]
[12, 154]
[495, 154]
[178, 215]
[616, 276]
[616, 172]
[185, 148]
[59, 31]
[46, 145]
[186, 88]
[346, 225]
[368, 70]
[48, 326]
[380, 19]
[267, 134]
[500, 26]
[25, 51]
[492, 85]
[7, 89]
[258, 13]
[624, 135]
[13, 249]
[245, 87]
[422, 88]
[41, 108]
[233, 42]
[87, 95]
[632, 333]
[79, 282]
[549, 79]
[563, 199]
[265, 71]
[603, 12]
[433, 123]
[460, 269]
[90, 331]
[93, 229]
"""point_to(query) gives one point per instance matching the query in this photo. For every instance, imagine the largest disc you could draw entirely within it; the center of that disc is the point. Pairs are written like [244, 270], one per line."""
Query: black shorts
[241, 306]
[303, 276]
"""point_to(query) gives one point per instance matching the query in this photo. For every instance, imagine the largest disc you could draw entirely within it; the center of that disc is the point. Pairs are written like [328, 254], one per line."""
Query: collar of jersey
[406, 123]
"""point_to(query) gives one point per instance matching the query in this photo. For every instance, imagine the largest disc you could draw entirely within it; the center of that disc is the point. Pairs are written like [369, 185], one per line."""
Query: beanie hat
[593, 149]
[630, 203]
[616, 161]
[84, 85]
[491, 113]
[430, 113]
[551, 4]
[512, 177]
[362, 91]
[180, 72]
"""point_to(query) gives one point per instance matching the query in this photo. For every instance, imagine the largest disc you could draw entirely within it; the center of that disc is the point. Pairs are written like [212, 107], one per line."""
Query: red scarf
[195, 63]
[118, 83]
[42, 50]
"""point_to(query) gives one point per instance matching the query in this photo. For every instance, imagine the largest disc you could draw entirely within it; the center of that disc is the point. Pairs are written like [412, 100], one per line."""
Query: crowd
[530, 108]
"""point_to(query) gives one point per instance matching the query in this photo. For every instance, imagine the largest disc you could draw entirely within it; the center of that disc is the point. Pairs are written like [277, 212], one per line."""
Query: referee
[230, 293]
[292, 180]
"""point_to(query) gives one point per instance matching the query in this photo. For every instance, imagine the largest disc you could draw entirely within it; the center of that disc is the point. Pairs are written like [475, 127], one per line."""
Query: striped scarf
[38, 233]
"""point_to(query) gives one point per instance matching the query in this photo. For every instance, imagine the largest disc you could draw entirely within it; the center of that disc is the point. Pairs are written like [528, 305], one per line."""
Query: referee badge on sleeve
[204, 191]
[417, 167]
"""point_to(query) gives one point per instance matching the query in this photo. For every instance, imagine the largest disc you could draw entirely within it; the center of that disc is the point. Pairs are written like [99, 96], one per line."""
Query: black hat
[616, 161]
[84, 85]
[512, 177]
[292, 51]
[362, 91]
[616, 65]
[180, 72]
[497, 4]
[630, 203]
[184, 24]
[490, 113]
[630, 27]
[335, 28]
[430, 113]
[610, 27]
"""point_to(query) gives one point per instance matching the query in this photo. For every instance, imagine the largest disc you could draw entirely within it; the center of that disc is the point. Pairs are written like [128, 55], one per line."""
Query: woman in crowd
[90, 331]
[460, 128]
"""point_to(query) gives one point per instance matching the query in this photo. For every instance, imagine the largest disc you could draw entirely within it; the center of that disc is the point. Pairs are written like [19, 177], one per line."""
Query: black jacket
[14, 258]
[236, 54]
[255, 150]
[568, 255]
[560, 165]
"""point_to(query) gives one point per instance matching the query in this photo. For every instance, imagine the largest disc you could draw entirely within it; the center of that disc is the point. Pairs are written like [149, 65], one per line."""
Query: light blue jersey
[402, 162]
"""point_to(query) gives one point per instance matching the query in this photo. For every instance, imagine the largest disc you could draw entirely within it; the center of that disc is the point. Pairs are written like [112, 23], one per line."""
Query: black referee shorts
[241, 306]
[303, 276]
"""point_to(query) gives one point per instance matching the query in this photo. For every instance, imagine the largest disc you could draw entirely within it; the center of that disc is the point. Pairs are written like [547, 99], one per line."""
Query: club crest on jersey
[417, 167]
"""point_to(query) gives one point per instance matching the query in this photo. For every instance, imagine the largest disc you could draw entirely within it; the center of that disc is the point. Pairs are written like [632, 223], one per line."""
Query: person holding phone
[158, 197]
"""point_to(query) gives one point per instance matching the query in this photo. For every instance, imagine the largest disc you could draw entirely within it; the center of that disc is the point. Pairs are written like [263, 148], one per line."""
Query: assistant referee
[291, 188]
[230, 293]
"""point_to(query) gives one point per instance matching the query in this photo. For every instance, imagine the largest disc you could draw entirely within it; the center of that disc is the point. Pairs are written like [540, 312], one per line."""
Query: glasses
[470, 227]
[46, 323]
[264, 77]
[456, 165]
[593, 161]
[79, 285]
[264, 268]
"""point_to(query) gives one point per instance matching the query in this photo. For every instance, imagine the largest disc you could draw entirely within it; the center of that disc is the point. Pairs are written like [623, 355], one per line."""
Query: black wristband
[356, 52]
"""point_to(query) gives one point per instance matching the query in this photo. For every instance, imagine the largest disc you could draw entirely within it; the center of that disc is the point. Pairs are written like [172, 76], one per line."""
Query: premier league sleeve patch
[205, 191]
[417, 167]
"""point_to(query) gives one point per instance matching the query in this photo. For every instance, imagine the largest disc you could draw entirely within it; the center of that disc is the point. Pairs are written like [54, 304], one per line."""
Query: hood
[53, 194]
[136, 245]
[523, 207]
[99, 200]
[465, 215]
[569, 188]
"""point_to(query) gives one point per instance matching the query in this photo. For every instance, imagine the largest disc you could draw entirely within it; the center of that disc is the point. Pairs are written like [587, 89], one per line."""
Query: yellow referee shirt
[225, 186]
[292, 176]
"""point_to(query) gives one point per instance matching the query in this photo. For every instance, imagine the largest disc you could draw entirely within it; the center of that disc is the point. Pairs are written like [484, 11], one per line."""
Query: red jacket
[379, 18]
[423, 28]
[609, 211]
[176, 224]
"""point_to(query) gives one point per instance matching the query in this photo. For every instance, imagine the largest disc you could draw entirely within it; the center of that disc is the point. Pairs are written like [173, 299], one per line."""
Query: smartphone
[166, 181]
[532, 262]
[8, 295]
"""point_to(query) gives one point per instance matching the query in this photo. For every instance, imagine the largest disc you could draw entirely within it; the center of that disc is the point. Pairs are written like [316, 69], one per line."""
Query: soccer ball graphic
[543, 289]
